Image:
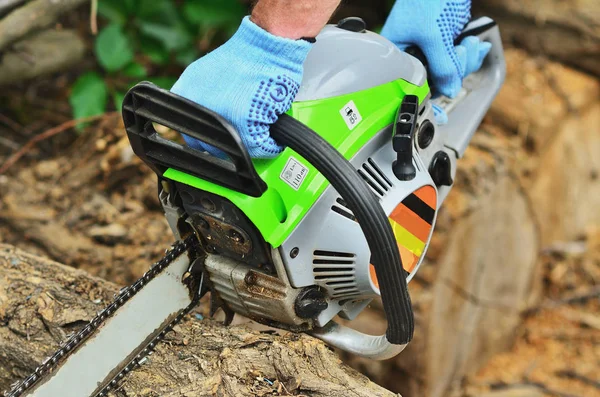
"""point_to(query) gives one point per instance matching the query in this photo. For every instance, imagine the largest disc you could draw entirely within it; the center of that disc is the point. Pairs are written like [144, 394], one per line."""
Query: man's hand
[255, 76]
[433, 25]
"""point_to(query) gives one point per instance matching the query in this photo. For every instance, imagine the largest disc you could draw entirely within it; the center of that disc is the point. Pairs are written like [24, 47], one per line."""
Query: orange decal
[427, 195]
[373, 275]
[409, 260]
[411, 222]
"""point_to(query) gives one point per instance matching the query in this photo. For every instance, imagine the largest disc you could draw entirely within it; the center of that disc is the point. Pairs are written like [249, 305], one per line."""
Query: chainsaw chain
[52, 362]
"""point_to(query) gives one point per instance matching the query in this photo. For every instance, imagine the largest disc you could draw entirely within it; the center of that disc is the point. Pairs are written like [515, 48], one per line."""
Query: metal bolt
[294, 252]
[250, 278]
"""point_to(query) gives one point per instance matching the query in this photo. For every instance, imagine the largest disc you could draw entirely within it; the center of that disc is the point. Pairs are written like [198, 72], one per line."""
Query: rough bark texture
[44, 53]
[42, 301]
[36, 15]
[565, 30]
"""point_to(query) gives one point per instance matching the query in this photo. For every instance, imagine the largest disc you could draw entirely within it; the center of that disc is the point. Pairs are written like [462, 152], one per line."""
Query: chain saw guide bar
[343, 215]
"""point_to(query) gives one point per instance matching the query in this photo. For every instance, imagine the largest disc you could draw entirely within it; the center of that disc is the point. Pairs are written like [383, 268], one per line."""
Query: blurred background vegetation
[149, 40]
[134, 40]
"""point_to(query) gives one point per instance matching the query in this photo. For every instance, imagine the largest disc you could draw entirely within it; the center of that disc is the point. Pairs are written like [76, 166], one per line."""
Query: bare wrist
[293, 19]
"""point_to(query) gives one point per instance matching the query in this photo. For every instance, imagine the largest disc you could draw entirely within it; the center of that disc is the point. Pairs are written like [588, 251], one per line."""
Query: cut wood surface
[42, 301]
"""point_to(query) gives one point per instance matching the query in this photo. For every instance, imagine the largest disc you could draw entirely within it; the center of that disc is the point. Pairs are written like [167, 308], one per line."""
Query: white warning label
[351, 115]
[294, 173]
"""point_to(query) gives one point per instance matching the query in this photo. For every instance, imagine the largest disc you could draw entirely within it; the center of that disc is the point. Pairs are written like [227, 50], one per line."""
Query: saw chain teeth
[71, 344]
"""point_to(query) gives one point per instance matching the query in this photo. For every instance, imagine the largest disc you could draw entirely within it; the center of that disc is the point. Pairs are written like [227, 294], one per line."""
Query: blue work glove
[471, 52]
[250, 80]
[433, 25]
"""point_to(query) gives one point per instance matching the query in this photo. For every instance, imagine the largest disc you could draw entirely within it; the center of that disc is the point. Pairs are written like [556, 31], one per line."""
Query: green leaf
[172, 37]
[154, 50]
[113, 10]
[131, 5]
[164, 11]
[118, 100]
[113, 48]
[89, 96]
[214, 12]
[135, 69]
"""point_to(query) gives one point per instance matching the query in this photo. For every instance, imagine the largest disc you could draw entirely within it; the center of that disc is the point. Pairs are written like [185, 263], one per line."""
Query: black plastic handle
[370, 215]
[146, 103]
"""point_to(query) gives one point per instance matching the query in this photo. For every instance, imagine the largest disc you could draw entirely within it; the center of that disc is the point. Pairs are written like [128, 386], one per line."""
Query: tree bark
[567, 31]
[42, 301]
[43, 53]
[33, 16]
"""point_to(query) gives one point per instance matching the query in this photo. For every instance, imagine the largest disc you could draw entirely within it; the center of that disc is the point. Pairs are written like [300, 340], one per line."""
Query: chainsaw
[342, 216]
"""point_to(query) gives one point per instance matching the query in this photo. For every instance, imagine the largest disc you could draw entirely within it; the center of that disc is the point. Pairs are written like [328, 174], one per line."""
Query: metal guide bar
[53, 362]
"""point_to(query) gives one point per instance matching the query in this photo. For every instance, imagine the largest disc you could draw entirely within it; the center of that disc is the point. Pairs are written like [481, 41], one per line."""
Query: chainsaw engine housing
[316, 235]
[294, 243]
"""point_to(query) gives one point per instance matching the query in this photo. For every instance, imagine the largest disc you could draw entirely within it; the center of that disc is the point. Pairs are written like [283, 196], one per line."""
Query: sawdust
[92, 207]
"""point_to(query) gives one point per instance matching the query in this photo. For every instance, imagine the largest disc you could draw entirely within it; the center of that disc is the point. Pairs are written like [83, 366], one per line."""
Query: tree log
[564, 30]
[45, 52]
[9, 5]
[33, 16]
[42, 301]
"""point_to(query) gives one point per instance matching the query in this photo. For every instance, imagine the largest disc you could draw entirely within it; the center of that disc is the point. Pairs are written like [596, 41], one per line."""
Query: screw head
[250, 278]
[294, 252]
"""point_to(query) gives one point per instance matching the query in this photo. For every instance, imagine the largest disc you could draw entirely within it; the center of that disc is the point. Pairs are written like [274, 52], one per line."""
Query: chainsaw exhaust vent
[379, 183]
[336, 271]
[375, 178]
[341, 208]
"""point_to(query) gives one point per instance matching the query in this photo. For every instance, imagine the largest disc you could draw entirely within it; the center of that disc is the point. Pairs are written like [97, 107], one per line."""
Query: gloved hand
[250, 80]
[433, 25]
[471, 52]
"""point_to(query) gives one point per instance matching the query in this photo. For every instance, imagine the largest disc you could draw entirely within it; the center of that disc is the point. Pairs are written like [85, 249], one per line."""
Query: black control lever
[402, 141]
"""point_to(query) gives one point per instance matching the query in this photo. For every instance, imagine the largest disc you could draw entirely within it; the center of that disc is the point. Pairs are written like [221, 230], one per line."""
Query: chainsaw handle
[146, 104]
[466, 111]
[371, 218]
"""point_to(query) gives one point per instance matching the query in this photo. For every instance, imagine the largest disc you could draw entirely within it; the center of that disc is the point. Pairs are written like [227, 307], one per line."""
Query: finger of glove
[441, 117]
[445, 68]
[475, 53]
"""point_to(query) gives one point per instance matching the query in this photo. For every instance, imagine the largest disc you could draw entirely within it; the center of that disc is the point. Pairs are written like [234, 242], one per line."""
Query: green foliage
[89, 96]
[113, 49]
[150, 40]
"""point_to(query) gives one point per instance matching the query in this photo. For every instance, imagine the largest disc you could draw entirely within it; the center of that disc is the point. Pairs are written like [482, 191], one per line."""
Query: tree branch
[36, 15]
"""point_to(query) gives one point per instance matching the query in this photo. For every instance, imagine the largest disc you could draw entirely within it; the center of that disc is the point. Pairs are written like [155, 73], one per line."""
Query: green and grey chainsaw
[343, 216]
